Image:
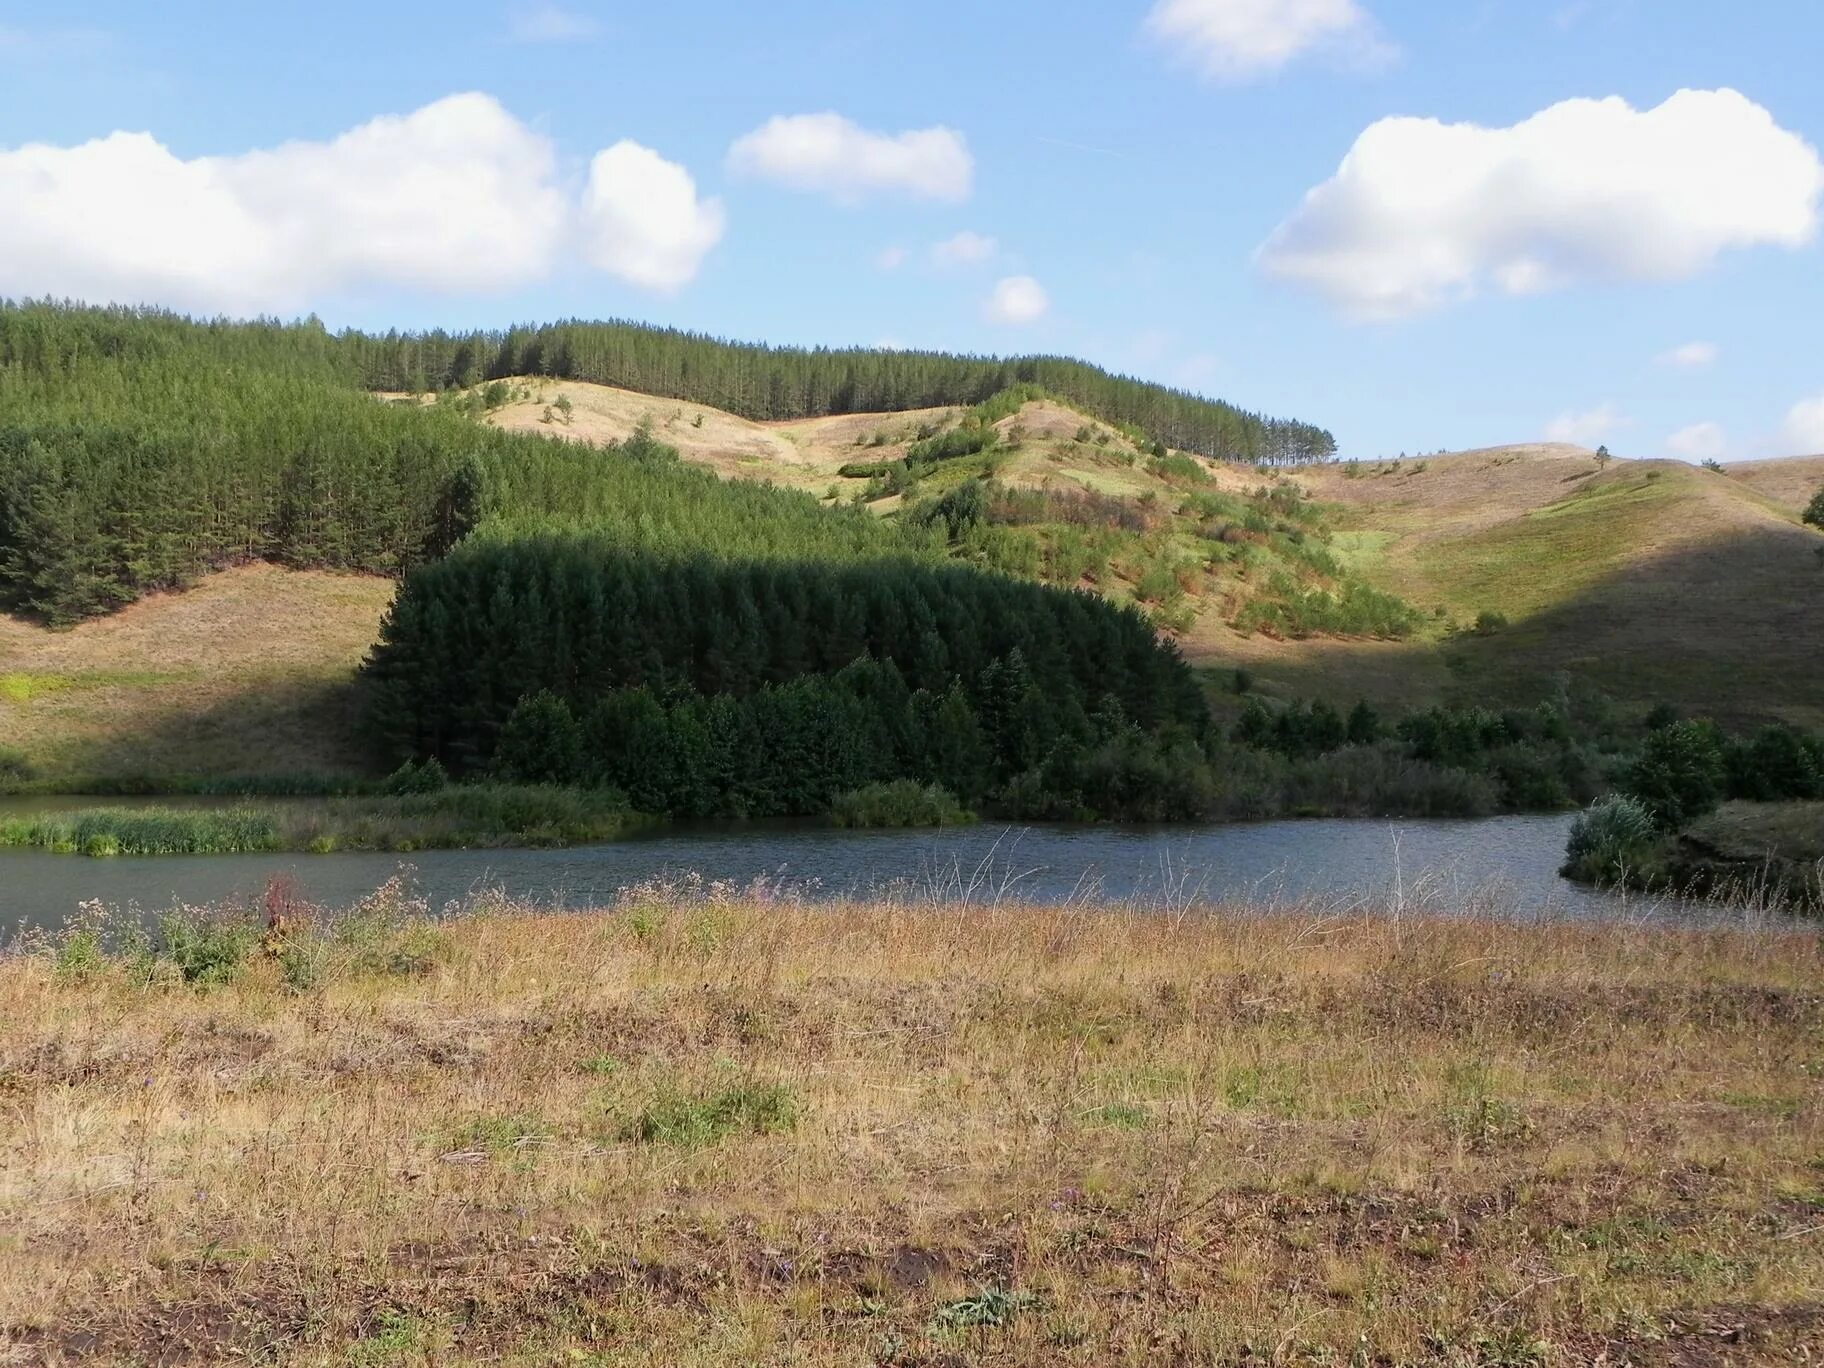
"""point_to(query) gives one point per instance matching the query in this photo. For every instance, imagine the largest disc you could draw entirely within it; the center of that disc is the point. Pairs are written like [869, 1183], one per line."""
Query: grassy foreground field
[718, 1127]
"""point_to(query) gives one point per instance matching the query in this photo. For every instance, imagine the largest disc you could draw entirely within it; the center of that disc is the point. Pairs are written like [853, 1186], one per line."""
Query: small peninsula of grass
[457, 816]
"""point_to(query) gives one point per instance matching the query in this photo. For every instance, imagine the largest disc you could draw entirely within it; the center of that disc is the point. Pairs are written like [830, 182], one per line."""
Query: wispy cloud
[1699, 442]
[1234, 40]
[965, 249]
[1691, 356]
[546, 23]
[828, 154]
[1586, 429]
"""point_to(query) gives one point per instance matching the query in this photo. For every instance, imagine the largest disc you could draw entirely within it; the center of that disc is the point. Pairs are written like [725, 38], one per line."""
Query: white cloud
[830, 155]
[965, 249]
[547, 23]
[1803, 433]
[642, 220]
[1699, 442]
[1422, 214]
[1017, 300]
[457, 197]
[890, 258]
[1691, 356]
[1235, 39]
[1585, 429]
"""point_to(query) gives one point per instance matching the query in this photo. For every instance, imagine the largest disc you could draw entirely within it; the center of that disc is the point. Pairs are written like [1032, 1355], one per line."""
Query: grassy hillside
[147, 453]
[1656, 581]
[1103, 507]
[251, 671]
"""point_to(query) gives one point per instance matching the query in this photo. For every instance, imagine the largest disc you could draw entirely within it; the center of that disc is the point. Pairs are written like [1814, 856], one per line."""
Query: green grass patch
[459, 816]
[147, 831]
[696, 1119]
[22, 686]
[1553, 553]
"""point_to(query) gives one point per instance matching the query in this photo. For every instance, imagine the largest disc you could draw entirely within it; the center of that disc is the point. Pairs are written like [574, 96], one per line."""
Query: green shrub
[1615, 841]
[414, 777]
[541, 742]
[1679, 775]
[900, 803]
[208, 946]
[1814, 511]
[1488, 623]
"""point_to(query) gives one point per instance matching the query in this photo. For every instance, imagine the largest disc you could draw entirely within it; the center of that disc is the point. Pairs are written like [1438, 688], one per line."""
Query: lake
[1504, 866]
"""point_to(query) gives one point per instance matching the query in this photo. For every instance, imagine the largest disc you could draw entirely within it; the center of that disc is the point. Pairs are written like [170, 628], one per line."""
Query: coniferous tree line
[712, 686]
[764, 383]
[139, 450]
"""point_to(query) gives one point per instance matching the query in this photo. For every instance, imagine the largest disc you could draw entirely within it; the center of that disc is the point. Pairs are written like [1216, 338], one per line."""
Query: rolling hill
[1479, 576]
[1654, 580]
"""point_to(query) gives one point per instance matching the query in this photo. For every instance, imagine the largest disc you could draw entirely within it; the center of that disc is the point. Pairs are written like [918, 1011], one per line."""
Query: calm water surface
[1502, 865]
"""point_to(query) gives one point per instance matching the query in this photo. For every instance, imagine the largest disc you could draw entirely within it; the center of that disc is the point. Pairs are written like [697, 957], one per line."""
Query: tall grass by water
[146, 831]
[446, 818]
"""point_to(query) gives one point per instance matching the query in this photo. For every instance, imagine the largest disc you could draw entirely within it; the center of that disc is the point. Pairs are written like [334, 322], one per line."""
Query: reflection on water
[1501, 865]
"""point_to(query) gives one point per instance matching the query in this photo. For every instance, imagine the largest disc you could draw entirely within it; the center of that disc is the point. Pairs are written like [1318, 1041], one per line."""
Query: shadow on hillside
[293, 727]
[1732, 629]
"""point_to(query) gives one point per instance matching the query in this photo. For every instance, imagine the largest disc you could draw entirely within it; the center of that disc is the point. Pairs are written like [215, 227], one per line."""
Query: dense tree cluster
[1686, 769]
[745, 674]
[138, 450]
[763, 382]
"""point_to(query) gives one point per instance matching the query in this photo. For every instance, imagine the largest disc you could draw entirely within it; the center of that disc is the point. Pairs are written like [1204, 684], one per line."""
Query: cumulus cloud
[457, 197]
[1423, 214]
[642, 219]
[1234, 39]
[1699, 442]
[1803, 432]
[1691, 356]
[1586, 429]
[548, 23]
[828, 154]
[1017, 300]
[965, 249]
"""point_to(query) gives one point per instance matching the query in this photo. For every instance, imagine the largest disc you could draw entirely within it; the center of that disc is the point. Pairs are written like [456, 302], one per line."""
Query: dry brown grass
[969, 1135]
[1790, 482]
[802, 454]
[248, 671]
[1654, 580]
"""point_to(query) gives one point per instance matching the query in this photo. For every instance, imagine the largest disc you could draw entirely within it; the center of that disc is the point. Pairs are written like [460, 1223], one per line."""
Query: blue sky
[1139, 167]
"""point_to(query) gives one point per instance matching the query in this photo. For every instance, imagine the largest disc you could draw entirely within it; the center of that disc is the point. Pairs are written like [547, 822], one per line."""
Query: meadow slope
[1654, 580]
[251, 671]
